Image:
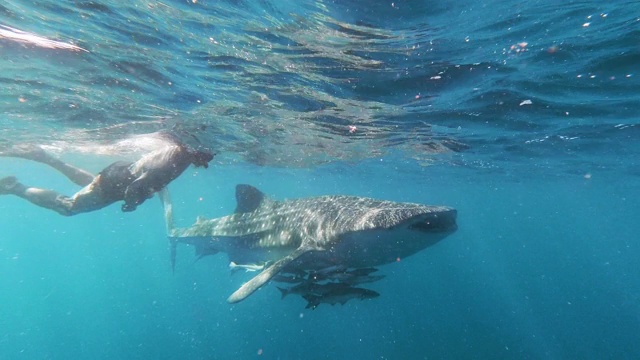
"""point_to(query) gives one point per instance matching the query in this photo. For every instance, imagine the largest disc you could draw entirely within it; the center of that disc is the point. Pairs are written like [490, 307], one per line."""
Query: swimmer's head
[202, 158]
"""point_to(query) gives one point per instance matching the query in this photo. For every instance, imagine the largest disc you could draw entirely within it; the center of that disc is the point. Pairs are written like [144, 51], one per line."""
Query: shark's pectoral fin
[204, 249]
[259, 280]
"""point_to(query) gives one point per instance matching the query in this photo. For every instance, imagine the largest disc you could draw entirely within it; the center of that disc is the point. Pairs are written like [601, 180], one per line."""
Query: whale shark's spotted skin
[314, 233]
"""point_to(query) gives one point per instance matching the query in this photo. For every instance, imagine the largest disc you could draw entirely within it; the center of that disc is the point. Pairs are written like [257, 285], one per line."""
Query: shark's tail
[312, 301]
[233, 267]
[168, 218]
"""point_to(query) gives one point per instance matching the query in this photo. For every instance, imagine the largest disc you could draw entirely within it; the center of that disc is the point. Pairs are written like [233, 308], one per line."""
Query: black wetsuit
[114, 180]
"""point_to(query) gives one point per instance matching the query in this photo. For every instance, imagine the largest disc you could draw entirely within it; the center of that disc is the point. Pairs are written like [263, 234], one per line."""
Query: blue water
[521, 115]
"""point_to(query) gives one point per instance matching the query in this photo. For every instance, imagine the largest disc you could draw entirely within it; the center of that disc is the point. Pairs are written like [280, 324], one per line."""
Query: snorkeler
[132, 182]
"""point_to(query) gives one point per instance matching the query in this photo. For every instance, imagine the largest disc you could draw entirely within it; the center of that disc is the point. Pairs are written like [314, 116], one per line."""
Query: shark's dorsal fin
[248, 198]
[259, 280]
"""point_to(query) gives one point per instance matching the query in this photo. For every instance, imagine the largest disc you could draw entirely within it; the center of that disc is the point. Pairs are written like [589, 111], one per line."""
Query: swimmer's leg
[83, 201]
[7, 184]
[36, 153]
[48, 199]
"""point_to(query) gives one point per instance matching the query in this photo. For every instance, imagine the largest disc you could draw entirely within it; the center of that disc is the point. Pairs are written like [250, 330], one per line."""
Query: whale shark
[311, 234]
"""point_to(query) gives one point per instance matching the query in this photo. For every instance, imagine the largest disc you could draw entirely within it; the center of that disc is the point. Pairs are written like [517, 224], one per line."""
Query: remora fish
[339, 295]
[311, 288]
[356, 279]
[247, 267]
[291, 279]
[341, 274]
[312, 233]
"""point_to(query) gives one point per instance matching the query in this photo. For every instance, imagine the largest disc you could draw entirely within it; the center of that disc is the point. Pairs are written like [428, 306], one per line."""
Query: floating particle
[587, 176]
[586, 24]
[526, 102]
[519, 47]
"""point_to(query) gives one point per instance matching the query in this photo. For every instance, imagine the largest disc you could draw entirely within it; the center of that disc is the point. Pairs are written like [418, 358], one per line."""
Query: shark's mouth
[436, 222]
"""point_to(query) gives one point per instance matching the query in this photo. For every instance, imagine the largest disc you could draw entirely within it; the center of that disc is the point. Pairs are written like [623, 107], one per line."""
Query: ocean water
[521, 115]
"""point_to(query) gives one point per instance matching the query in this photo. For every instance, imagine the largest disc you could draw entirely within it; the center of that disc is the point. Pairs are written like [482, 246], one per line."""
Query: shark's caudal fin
[312, 301]
[248, 198]
[259, 280]
[168, 218]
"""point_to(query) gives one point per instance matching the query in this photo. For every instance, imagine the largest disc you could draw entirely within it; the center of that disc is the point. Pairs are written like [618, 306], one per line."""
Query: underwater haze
[521, 115]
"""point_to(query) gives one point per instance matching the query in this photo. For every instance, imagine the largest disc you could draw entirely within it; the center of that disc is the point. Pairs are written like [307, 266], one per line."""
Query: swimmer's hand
[128, 207]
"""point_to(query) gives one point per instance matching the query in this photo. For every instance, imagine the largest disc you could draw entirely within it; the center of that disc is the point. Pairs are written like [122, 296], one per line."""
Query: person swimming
[133, 183]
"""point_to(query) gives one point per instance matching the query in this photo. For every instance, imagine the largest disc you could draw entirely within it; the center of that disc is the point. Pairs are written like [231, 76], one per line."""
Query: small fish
[341, 274]
[332, 270]
[362, 271]
[339, 296]
[291, 279]
[311, 289]
[351, 279]
[247, 267]
[327, 272]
